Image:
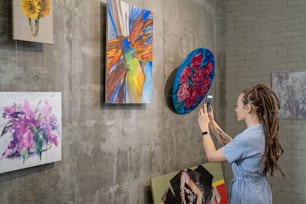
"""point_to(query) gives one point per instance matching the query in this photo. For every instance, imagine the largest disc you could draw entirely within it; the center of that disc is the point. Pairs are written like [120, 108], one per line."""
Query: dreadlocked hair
[266, 104]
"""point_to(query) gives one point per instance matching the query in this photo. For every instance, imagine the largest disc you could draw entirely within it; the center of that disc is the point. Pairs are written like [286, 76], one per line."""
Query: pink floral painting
[30, 129]
[193, 80]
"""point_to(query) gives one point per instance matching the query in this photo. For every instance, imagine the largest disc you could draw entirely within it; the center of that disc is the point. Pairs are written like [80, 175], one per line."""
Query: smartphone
[208, 102]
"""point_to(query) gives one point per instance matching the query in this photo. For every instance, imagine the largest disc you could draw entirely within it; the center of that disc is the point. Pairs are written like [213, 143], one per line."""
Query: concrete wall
[109, 152]
[263, 37]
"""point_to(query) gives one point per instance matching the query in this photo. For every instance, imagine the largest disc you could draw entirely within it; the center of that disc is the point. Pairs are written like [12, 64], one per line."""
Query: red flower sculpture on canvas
[185, 75]
[193, 80]
[196, 60]
[182, 93]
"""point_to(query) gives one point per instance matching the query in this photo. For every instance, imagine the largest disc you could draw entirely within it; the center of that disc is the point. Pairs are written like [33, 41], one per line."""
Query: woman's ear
[248, 107]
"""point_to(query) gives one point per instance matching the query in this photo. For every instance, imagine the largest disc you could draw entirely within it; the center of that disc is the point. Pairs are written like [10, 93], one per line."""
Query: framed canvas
[33, 21]
[183, 186]
[129, 53]
[290, 87]
[30, 129]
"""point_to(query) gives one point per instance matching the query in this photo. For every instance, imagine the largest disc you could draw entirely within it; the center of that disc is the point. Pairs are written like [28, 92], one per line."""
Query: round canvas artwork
[192, 80]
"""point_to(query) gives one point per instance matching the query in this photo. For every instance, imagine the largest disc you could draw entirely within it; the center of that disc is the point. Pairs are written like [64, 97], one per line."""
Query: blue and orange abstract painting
[30, 129]
[128, 78]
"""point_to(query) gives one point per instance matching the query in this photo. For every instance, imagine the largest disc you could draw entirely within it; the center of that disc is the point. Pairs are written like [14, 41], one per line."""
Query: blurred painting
[33, 21]
[290, 87]
[129, 48]
[30, 128]
[195, 185]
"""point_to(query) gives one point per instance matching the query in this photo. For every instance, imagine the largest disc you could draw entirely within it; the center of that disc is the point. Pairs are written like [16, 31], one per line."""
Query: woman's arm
[221, 136]
[212, 154]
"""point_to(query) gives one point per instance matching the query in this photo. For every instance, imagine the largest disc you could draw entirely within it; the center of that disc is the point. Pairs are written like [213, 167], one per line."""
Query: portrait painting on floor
[194, 185]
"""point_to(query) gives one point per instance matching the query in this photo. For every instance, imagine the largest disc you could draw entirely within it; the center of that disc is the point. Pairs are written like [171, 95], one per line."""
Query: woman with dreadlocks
[253, 153]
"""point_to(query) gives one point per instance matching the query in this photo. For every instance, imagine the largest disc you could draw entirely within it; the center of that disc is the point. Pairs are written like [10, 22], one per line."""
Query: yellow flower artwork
[30, 8]
[36, 16]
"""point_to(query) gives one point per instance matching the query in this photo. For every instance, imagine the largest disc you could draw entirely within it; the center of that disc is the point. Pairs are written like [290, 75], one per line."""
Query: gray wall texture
[109, 152]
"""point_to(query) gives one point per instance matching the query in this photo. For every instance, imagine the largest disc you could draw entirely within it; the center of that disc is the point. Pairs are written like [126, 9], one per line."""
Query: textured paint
[30, 127]
[33, 20]
[193, 80]
[129, 54]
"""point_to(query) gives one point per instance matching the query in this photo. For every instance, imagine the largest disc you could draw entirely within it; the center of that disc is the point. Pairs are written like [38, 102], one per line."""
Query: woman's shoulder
[255, 131]
[258, 128]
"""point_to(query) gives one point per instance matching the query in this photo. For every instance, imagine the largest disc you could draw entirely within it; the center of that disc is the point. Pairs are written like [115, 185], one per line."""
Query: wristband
[204, 133]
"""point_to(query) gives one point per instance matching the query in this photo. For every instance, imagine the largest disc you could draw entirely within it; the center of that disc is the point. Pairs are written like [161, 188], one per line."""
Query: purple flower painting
[30, 129]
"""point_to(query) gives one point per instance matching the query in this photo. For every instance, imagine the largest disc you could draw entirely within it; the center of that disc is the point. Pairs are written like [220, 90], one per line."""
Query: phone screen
[208, 102]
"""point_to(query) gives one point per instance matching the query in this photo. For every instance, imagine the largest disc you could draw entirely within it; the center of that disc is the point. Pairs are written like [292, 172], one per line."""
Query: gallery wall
[109, 152]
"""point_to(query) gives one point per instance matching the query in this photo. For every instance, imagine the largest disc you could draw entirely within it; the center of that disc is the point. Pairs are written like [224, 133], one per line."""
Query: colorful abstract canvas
[33, 21]
[201, 184]
[30, 129]
[192, 80]
[290, 87]
[128, 78]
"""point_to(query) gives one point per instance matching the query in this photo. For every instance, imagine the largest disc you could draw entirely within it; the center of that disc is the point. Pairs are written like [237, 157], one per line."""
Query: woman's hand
[211, 113]
[204, 118]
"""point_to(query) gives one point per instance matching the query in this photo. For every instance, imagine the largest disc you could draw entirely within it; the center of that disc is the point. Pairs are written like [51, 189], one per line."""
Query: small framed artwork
[290, 87]
[33, 21]
[30, 129]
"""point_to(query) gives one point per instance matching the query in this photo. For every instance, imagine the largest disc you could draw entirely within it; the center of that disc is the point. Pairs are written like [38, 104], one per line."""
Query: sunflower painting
[129, 48]
[33, 20]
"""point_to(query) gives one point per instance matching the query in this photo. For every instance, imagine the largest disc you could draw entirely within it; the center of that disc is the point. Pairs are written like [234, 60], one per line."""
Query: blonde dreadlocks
[266, 105]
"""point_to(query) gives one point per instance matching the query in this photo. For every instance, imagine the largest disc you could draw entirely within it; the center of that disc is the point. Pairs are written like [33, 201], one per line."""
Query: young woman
[254, 152]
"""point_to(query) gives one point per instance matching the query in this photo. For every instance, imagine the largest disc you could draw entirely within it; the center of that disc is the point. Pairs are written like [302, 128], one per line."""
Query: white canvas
[24, 26]
[30, 129]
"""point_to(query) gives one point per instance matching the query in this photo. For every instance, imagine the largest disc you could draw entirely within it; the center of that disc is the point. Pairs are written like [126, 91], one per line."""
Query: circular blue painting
[193, 80]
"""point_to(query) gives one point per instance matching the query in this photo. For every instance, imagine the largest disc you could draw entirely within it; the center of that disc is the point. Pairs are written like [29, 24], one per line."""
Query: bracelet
[204, 133]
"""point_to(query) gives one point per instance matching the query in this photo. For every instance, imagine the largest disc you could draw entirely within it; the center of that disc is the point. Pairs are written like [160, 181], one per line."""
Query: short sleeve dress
[245, 153]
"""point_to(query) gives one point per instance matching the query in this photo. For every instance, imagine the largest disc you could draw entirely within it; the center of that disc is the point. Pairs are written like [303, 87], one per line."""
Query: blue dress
[245, 153]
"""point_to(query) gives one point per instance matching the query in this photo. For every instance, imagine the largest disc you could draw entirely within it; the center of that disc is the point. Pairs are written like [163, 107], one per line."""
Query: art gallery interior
[110, 152]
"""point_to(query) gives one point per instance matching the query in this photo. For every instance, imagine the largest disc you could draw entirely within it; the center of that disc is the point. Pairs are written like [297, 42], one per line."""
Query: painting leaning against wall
[290, 88]
[30, 129]
[128, 78]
